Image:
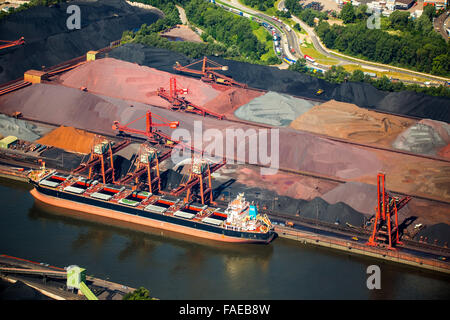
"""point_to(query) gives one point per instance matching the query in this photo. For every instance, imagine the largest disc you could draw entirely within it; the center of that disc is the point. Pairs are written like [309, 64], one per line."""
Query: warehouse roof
[8, 140]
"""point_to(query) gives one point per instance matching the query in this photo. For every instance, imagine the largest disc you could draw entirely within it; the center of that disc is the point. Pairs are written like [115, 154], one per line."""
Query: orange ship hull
[113, 214]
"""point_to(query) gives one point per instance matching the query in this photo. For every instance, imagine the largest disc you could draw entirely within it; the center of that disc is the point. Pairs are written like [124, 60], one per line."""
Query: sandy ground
[183, 32]
[348, 121]
[327, 4]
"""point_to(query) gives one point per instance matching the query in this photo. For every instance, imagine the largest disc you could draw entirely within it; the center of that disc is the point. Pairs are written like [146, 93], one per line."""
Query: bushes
[234, 33]
[226, 27]
[261, 5]
[414, 47]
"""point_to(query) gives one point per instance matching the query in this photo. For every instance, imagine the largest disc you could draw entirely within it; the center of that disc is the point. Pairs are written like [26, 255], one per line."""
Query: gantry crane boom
[180, 103]
[8, 43]
[208, 72]
[150, 127]
[199, 174]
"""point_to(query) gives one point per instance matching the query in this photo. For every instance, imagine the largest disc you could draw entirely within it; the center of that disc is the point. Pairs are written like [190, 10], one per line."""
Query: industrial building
[8, 141]
[438, 4]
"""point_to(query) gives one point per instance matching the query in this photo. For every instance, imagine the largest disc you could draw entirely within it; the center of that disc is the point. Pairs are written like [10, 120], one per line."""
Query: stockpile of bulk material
[18, 128]
[445, 151]
[315, 208]
[129, 81]
[124, 80]
[61, 106]
[61, 159]
[229, 100]
[48, 41]
[348, 121]
[69, 139]
[439, 232]
[425, 137]
[360, 196]
[274, 109]
[294, 83]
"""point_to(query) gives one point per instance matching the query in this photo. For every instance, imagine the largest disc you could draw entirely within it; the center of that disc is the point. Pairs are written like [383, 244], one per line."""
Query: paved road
[362, 239]
[342, 58]
[441, 24]
[290, 40]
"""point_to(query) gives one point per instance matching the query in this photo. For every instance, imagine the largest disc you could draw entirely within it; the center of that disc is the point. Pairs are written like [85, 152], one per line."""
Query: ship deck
[143, 200]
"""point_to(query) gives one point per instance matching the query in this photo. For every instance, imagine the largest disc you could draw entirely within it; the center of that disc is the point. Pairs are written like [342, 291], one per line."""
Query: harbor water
[173, 266]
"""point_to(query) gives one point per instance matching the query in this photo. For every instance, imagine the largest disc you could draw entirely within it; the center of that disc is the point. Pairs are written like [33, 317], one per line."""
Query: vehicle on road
[308, 58]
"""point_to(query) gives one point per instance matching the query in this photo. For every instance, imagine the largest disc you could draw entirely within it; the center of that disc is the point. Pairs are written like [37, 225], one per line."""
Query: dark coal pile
[439, 232]
[61, 159]
[332, 213]
[19, 291]
[121, 166]
[170, 179]
[284, 81]
[314, 209]
[48, 41]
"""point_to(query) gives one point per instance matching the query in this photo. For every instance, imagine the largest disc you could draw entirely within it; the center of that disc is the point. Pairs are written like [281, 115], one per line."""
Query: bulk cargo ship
[239, 222]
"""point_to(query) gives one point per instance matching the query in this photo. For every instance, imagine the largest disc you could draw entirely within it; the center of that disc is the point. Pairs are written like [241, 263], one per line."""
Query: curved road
[288, 41]
[291, 40]
[346, 59]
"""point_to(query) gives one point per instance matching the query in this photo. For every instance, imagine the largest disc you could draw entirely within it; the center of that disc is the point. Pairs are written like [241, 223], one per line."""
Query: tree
[336, 74]
[441, 64]
[138, 294]
[429, 11]
[399, 19]
[384, 84]
[361, 11]
[357, 76]
[348, 13]
[299, 66]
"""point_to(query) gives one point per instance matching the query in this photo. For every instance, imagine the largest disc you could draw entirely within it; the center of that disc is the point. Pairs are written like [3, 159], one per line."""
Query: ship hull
[131, 215]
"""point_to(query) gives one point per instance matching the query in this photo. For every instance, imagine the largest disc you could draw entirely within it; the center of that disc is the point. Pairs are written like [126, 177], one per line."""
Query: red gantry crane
[199, 174]
[7, 44]
[102, 151]
[180, 103]
[147, 164]
[153, 135]
[385, 225]
[208, 72]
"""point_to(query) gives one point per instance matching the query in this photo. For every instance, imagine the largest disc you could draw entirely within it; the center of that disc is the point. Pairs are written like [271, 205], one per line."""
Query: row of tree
[305, 14]
[337, 74]
[225, 34]
[400, 41]
[226, 27]
[261, 5]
